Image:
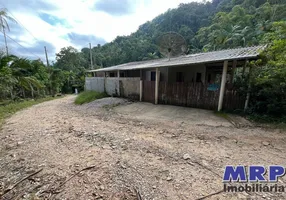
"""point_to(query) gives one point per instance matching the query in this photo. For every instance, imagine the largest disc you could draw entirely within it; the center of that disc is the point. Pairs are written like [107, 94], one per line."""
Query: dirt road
[158, 157]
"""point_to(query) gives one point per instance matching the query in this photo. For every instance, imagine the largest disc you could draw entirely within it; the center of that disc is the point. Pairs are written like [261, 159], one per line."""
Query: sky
[61, 23]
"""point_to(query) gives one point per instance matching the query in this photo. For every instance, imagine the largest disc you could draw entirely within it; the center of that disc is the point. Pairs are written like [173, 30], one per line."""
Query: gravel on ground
[152, 157]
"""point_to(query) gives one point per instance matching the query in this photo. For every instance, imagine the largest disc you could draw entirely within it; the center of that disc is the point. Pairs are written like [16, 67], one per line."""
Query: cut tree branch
[17, 183]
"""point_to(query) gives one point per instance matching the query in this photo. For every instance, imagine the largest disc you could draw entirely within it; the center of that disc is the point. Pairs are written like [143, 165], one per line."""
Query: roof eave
[172, 65]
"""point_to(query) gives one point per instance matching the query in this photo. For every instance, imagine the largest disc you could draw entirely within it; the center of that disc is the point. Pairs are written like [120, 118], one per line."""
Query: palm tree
[151, 56]
[22, 70]
[4, 17]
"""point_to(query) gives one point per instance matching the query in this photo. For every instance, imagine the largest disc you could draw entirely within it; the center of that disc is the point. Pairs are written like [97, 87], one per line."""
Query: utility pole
[91, 64]
[47, 57]
[3, 27]
[50, 73]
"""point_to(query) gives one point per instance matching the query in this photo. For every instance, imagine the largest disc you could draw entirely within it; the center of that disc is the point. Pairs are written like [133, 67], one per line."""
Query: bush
[267, 119]
[88, 96]
[268, 80]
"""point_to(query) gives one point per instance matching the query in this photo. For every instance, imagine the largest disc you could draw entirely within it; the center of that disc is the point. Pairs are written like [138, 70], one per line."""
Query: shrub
[88, 96]
[268, 80]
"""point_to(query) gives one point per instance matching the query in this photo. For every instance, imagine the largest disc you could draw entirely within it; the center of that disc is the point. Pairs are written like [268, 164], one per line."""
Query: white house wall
[163, 74]
[94, 84]
[110, 85]
[148, 74]
[130, 86]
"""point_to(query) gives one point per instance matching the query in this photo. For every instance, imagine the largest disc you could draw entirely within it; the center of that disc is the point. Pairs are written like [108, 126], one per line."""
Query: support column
[141, 85]
[157, 85]
[105, 82]
[118, 84]
[222, 86]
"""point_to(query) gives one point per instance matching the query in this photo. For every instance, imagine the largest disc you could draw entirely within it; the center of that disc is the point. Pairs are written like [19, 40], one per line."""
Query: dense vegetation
[206, 26]
[22, 78]
[268, 89]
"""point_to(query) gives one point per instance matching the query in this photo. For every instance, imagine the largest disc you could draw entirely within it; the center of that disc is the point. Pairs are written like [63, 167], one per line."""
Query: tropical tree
[151, 56]
[269, 78]
[22, 71]
[68, 59]
[4, 18]
[7, 81]
[22, 78]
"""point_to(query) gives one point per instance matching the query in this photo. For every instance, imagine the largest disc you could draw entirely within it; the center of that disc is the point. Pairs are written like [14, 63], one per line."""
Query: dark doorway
[153, 76]
[199, 77]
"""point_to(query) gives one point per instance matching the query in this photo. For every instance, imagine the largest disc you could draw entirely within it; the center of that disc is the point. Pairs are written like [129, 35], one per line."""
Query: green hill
[205, 26]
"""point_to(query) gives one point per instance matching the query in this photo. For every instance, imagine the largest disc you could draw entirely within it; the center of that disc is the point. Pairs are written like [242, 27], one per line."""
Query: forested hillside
[205, 26]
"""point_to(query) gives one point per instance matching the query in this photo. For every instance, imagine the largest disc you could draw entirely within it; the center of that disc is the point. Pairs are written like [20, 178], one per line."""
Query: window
[153, 76]
[111, 74]
[199, 77]
[122, 74]
[179, 77]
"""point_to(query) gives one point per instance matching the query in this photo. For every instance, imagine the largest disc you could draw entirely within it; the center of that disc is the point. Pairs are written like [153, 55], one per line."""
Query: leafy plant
[88, 96]
[269, 79]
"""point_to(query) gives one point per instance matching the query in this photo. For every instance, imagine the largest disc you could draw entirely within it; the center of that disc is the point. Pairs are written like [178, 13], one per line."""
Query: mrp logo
[255, 173]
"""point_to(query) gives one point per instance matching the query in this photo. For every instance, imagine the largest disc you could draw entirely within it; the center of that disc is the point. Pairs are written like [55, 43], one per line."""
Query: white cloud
[81, 18]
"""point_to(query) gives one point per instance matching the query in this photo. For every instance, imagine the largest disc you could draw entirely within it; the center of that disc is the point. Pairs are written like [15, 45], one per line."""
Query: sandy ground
[157, 152]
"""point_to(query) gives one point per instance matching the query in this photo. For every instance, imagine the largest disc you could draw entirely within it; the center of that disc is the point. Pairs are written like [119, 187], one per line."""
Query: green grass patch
[9, 109]
[222, 115]
[225, 116]
[89, 96]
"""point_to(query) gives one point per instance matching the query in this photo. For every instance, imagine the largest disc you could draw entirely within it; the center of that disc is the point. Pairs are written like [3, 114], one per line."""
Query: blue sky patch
[53, 20]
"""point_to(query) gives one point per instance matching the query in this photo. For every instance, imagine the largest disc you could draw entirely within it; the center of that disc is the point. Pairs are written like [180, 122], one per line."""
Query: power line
[22, 46]
[19, 22]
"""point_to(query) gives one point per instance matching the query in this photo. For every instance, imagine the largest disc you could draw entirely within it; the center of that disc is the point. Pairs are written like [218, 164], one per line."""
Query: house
[202, 80]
